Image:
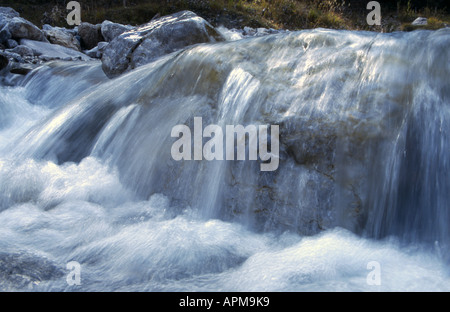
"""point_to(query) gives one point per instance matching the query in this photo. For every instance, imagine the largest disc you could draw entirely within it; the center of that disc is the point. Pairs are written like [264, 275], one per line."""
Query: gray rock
[22, 51]
[248, 31]
[58, 36]
[6, 14]
[11, 43]
[102, 45]
[47, 51]
[3, 61]
[420, 21]
[94, 53]
[22, 68]
[23, 29]
[5, 35]
[112, 30]
[90, 35]
[12, 57]
[160, 36]
[23, 270]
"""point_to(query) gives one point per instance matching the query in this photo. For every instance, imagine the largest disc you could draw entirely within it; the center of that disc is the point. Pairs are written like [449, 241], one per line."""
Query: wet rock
[22, 51]
[23, 29]
[11, 43]
[102, 45]
[94, 53]
[6, 14]
[21, 270]
[12, 57]
[90, 35]
[159, 37]
[112, 30]
[248, 31]
[22, 68]
[47, 51]
[61, 37]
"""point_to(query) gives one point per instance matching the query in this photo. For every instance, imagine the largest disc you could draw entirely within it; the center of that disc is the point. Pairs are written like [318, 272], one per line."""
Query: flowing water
[86, 172]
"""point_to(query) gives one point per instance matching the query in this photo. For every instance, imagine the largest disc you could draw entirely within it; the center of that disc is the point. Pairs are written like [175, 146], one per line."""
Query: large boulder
[159, 37]
[22, 50]
[47, 51]
[23, 29]
[112, 30]
[61, 37]
[90, 35]
[6, 14]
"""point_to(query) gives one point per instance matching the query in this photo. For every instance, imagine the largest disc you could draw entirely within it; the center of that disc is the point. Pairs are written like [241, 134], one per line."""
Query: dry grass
[288, 14]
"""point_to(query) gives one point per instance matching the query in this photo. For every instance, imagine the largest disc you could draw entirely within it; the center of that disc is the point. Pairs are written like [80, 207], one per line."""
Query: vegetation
[288, 14]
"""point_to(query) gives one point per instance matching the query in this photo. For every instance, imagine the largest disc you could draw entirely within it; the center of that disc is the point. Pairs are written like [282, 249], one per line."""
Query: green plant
[313, 15]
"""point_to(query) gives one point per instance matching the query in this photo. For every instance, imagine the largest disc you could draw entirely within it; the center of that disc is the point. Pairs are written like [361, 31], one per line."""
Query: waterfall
[86, 165]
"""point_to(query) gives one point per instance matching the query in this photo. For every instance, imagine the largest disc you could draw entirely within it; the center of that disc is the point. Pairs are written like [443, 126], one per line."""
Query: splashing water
[86, 173]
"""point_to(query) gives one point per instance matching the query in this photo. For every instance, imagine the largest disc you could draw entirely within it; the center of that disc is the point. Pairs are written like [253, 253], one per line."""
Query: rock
[22, 68]
[159, 37]
[22, 51]
[111, 30]
[47, 51]
[248, 31]
[72, 32]
[102, 45]
[62, 38]
[12, 57]
[24, 270]
[94, 53]
[420, 21]
[90, 35]
[5, 35]
[3, 61]
[11, 43]
[23, 29]
[6, 14]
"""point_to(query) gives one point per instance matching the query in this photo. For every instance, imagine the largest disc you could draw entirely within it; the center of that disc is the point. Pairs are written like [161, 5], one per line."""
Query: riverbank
[279, 14]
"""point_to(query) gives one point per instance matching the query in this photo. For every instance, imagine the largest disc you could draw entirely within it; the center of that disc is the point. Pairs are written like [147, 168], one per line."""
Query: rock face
[90, 35]
[112, 30]
[159, 37]
[62, 37]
